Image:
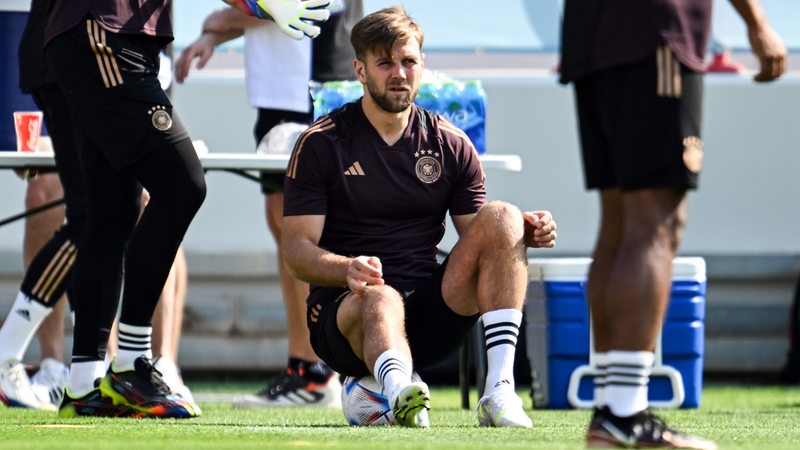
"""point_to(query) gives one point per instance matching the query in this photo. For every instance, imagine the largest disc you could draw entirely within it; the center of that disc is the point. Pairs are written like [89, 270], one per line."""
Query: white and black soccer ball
[364, 402]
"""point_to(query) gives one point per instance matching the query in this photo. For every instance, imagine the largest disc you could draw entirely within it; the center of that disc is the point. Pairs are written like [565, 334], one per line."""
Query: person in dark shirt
[367, 191]
[104, 56]
[47, 276]
[105, 59]
[636, 67]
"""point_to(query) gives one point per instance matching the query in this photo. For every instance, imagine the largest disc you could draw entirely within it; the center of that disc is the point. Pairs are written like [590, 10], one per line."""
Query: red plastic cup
[28, 125]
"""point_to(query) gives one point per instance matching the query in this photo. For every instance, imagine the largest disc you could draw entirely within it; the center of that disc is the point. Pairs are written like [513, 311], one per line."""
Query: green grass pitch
[737, 416]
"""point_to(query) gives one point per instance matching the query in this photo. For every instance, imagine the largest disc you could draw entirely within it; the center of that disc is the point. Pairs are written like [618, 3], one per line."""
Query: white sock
[393, 371]
[20, 325]
[133, 342]
[500, 329]
[601, 362]
[626, 382]
[82, 376]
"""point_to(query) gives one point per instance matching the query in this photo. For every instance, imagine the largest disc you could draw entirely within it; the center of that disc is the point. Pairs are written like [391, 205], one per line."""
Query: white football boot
[50, 380]
[172, 376]
[15, 387]
[502, 409]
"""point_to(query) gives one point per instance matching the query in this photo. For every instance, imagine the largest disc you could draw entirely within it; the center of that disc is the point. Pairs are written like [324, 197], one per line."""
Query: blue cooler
[559, 338]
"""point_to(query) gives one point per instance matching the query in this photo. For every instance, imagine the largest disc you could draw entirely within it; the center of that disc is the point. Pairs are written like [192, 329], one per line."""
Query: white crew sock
[601, 363]
[392, 370]
[627, 380]
[500, 329]
[20, 325]
[82, 376]
[133, 342]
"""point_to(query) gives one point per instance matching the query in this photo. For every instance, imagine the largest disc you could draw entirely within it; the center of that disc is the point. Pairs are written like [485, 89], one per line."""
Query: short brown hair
[379, 31]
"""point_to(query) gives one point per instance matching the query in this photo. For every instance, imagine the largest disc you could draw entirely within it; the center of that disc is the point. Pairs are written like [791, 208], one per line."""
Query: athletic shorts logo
[428, 169]
[160, 118]
[693, 153]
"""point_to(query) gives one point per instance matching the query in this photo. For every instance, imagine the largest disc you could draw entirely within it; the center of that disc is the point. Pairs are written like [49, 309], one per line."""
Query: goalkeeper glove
[292, 16]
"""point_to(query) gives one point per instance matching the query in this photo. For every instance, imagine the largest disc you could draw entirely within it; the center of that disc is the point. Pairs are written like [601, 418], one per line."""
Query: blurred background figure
[278, 70]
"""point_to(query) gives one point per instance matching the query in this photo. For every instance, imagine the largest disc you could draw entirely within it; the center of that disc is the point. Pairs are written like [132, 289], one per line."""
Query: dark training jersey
[381, 200]
[151, 17]
[599, 34]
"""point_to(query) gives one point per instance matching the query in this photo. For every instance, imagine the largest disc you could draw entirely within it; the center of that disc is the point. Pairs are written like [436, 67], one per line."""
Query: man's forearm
[317, 266]
[750, 11]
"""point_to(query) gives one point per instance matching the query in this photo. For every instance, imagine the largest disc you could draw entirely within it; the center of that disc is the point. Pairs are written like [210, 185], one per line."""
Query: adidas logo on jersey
[354, 169]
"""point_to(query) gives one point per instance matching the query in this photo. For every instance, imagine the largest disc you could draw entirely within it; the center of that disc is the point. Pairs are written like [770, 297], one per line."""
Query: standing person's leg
[167, 324]
[640, 127]
[48, 274]
[167, 327]
[306, 380]
[174, 179]
[629, 310]
[39, 229]
[129, 138]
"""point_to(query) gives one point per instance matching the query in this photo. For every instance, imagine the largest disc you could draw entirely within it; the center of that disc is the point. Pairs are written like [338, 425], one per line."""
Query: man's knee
[502, 225]
[382, 301]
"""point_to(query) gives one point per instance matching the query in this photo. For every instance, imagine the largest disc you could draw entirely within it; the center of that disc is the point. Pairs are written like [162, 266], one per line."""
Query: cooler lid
[577, 268]
[564, 269]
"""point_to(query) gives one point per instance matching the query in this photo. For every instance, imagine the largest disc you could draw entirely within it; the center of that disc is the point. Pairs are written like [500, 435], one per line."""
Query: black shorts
[267, 119]
[434, 331]
[640, 124]
[111, 82]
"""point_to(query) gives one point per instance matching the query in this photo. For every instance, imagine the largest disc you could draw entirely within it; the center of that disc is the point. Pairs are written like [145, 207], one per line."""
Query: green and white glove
[294, 17]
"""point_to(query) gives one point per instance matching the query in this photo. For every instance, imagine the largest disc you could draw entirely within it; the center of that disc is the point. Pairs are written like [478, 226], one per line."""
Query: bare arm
[220, 26]
[309, 262]
[766, 44]
[230, 20]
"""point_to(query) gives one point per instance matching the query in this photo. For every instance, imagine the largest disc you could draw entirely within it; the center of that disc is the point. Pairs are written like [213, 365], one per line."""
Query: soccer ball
[364, 402]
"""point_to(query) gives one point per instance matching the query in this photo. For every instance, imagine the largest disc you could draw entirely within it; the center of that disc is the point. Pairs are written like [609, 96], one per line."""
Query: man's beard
[387, 102]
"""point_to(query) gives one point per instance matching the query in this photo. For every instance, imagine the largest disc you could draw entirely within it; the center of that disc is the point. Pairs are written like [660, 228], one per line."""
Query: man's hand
[202, 49]
[362, 272]
[764, 41]
[771, 53]
[540, 229]
[294, 17]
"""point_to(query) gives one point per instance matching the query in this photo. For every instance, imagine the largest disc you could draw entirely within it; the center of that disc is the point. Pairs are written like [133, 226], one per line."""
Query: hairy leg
[637, 289]
[488, 268]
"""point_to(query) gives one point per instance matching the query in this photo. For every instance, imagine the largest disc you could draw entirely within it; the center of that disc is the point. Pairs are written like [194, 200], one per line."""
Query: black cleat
[643, 430]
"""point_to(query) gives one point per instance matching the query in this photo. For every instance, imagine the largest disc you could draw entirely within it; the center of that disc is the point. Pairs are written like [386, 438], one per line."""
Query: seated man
[367, 191]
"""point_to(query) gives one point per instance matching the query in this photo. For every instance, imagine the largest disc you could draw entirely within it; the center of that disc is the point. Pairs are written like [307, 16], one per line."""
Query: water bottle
[474, 102]
[449, 104]
[427, 96]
